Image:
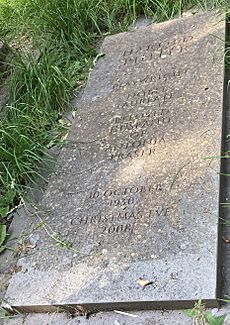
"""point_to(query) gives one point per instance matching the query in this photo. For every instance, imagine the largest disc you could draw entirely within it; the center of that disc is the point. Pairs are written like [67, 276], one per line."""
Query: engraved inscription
[123, 221]
[117, 229]
[146, 115]
[148, 79]
[151, 51]
[111, 193]
[123, 216]
[142, 98]
[120, 216]
[136, 122]
[135, 148]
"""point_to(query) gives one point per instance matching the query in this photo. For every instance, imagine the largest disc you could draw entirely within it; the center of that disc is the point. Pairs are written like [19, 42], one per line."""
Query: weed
[202, 316]
[2, 237]
[7, 312]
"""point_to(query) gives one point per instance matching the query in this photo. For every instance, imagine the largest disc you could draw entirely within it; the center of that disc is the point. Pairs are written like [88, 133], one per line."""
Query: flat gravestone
[135, 194]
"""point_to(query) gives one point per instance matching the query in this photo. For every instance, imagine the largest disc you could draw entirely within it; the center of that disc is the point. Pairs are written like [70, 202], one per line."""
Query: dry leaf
[82, 311]
[24, 246]
[17, 269]
[144, 282]
[64, 137]
[226, 240]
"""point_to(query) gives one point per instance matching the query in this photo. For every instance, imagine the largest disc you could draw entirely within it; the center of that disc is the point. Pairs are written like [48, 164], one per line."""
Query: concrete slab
[134, 198]
[110, 318]
[114, 318]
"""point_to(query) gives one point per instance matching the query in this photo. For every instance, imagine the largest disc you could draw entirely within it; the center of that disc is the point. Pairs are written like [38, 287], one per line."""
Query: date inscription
[117, 229]
[123, 221]
[112, 194]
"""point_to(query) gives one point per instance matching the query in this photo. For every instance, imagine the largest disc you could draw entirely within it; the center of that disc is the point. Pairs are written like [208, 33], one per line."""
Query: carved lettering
[122, 218]
[118, 229]
[143, 98]
[141, 116]
[136, 122]
[148, 79]
[110, 193]
[139, 124]
[150, 51]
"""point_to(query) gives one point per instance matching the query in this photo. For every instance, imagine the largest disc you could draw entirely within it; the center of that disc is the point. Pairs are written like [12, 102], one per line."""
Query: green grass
[40, 82]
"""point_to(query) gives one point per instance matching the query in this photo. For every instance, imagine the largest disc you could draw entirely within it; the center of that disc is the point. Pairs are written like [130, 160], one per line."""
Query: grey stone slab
[133, 195]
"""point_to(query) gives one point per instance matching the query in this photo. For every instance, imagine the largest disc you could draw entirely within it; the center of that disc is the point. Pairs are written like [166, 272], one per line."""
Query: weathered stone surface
[155, 317]
[113, 318]
[133, 191]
